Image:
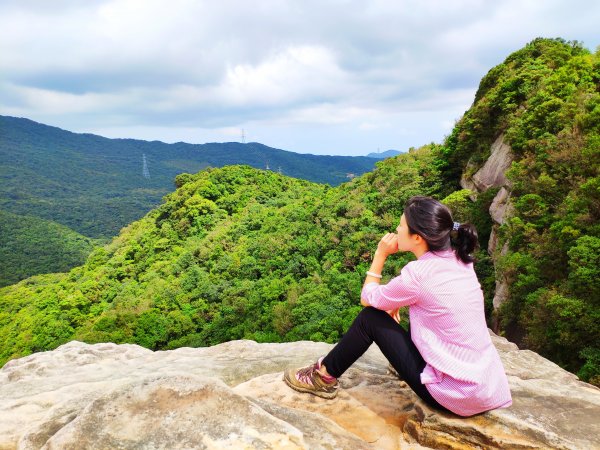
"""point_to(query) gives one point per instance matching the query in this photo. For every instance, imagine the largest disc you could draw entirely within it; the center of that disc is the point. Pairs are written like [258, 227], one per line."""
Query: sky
[338, 77]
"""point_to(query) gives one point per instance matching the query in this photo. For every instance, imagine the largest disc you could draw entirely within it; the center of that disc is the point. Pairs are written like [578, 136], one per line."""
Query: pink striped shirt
[447, 324]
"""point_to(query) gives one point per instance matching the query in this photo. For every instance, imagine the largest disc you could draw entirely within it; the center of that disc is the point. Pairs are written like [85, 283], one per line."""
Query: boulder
[232, 396]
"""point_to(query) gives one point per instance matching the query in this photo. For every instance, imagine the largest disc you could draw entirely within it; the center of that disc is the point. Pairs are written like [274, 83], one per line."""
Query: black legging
[374, 325]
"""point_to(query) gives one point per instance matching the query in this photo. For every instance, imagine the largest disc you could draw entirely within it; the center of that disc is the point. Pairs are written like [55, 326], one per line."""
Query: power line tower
[145, 170]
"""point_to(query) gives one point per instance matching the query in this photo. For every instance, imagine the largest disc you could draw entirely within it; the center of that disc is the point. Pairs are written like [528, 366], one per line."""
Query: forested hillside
[31, 245]
[233, 253]
[95, 186]
[244, 253]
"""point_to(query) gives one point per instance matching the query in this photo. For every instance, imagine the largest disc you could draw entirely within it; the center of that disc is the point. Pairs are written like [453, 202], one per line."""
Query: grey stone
[493, 172]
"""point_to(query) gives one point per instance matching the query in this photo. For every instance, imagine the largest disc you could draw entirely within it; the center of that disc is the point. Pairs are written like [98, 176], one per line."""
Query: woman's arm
[387, 246]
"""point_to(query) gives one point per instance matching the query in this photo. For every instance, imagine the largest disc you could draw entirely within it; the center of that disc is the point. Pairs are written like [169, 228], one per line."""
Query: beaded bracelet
[373, 274]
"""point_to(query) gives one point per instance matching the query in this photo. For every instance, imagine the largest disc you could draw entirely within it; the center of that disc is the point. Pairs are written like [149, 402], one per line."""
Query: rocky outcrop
[232, 396]
[501, 293]
[500, 209]
[493, 172]
[493, 175]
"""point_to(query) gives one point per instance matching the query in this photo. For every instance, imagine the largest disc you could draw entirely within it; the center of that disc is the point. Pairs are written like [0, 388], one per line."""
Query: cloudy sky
[327, 77]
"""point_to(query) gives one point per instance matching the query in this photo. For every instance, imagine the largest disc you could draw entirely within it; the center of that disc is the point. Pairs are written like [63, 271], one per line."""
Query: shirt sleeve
[400, 291]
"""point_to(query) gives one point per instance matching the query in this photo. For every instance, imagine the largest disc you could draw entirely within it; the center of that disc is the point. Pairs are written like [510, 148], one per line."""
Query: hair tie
[456, 226]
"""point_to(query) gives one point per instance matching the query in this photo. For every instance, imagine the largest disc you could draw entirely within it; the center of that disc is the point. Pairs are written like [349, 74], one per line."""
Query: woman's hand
[388, 244]
[395, 314]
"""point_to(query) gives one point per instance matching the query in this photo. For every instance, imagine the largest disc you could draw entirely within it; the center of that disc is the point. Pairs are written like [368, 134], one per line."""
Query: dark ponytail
[433, 221]
[465, 242]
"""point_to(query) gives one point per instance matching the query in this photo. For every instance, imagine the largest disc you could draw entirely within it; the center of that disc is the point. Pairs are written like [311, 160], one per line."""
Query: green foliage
[556, 324]
[584, 265]
[31, 246]
[460, 204]
[591, 368]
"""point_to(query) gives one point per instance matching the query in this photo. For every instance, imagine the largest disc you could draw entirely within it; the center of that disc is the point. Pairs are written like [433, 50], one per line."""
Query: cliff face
[493, 175]
[232, 396]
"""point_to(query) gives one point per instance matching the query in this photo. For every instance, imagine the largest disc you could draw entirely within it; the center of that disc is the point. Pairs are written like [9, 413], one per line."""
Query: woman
[447, 356]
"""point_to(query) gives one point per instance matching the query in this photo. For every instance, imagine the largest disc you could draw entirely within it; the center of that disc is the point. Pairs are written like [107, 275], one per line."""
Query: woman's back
[450, 300]
[464, 371]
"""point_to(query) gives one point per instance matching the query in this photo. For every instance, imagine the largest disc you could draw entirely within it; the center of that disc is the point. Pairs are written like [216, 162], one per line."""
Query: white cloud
[334, 72]
[48, 101]
[288, 77]
[369, 126]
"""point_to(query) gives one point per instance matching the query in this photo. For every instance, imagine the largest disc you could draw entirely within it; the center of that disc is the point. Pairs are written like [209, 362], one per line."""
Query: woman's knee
[370, 314]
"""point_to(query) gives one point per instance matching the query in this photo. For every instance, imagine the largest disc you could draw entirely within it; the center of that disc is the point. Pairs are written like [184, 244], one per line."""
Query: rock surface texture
[493, 172]
[232, 395]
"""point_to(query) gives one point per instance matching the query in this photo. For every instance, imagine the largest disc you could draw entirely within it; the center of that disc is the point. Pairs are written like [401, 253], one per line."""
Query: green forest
[237, 252]
[32, 245]
[95, 186]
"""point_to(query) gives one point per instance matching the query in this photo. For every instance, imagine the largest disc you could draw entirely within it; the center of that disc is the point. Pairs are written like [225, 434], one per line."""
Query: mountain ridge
[96, 185]
[34, 153]
[382, 155]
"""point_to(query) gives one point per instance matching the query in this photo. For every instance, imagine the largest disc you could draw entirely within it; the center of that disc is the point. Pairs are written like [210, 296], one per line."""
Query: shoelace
[305, 375]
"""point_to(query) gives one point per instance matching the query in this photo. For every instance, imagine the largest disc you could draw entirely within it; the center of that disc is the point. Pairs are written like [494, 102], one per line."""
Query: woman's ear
[420, 242]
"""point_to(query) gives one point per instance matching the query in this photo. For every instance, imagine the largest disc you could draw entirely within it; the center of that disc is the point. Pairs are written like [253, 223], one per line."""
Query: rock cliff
[493, 172]
[232, 396]
[493, 175]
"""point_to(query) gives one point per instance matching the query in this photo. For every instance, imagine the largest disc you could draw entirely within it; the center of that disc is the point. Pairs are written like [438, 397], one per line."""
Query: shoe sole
[322, 394]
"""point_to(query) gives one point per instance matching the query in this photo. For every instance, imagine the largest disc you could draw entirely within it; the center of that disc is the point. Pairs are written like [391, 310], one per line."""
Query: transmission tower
[145, 167]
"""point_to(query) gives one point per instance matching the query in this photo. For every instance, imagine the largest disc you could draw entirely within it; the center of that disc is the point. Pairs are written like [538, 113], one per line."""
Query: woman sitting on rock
[447, 356]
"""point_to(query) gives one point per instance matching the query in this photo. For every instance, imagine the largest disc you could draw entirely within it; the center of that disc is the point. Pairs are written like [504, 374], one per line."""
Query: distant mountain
[95, 185]
[383, 155]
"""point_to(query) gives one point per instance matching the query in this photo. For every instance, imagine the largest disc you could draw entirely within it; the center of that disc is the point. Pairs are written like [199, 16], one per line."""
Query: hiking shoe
[308, 379]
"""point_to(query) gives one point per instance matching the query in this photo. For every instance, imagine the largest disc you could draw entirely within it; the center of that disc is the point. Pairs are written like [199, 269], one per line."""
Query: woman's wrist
[377, 266]
[379, 258]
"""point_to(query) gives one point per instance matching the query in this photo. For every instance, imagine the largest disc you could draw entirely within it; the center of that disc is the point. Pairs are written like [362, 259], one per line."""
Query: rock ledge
[232, 396]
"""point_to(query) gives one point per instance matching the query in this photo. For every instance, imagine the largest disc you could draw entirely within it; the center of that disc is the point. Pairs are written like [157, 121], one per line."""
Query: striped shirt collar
[438, 254]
